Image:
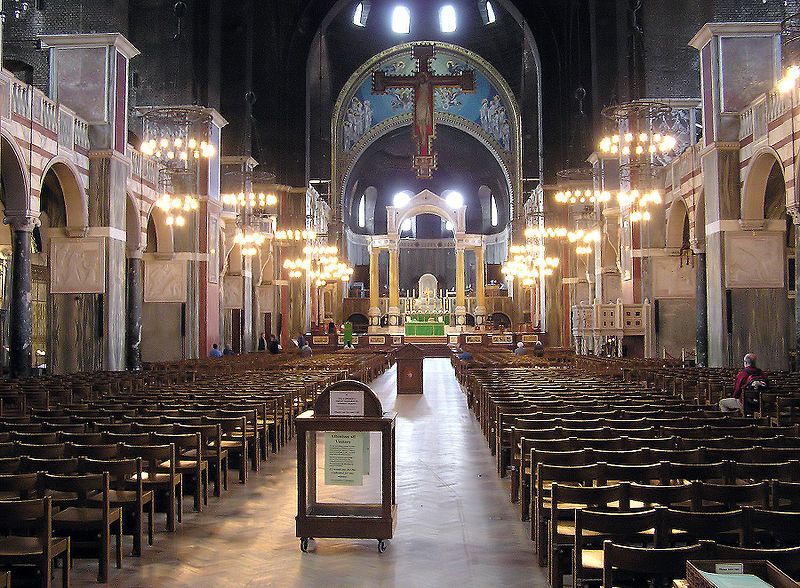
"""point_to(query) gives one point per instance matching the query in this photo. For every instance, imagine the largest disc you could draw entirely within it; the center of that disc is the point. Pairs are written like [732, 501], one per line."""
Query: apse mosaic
[485, 107]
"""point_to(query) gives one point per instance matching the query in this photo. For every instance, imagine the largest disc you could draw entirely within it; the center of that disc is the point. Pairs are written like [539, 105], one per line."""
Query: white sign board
[347, 403]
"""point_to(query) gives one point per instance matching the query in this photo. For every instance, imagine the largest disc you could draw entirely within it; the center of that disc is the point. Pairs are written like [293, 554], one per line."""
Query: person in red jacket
[743, 379]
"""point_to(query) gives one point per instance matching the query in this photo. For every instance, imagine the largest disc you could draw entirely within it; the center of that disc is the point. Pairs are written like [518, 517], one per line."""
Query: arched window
[494, 216]
[362, 211]
[409, 228]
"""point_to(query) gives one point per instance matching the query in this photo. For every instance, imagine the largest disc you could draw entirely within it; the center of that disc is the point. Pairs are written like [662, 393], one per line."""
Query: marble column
[394, 286]
[461, 308]
[796, 218]
[133, 331]
[20, 312]
[480, 286]
[701, 303]
[374, 292]
[286, 320]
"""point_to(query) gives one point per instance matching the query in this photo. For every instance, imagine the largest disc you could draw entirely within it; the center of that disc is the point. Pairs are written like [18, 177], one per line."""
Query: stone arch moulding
[511, 163]
[678, 213]
[133, 225]
[755, 183]
[165, 244]
[427, 202]
[75, 198]
[17, 184]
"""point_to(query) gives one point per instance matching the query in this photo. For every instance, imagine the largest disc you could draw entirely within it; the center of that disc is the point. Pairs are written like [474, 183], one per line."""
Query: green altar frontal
[424, 329]
[425, 317]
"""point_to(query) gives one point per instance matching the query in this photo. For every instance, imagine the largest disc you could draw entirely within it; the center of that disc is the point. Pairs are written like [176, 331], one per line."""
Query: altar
[424, 329]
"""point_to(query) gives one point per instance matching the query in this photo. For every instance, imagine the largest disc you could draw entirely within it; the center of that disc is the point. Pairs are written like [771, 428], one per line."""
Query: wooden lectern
[409, 369]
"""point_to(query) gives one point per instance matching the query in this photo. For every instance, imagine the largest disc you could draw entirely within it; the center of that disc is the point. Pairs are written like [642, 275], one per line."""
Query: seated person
[538, 349]
[306, 350]
[520, 350]
[215, 352]
[464, 355]
[227, 350]
[273, 346]
[748, 378]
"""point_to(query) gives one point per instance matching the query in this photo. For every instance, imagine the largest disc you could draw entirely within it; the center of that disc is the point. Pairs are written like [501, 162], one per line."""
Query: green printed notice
[344, 458]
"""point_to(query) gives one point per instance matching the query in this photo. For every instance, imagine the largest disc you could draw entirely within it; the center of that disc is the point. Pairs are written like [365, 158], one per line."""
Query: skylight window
[447, 19]
[358, 15]
[401, 20]
[490, 16]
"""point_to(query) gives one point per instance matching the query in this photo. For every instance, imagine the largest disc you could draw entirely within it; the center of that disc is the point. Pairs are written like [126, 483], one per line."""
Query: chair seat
[28, 546]
[157, 478]
[185, 464]
[84, 516]
[592, 559]
[122, 497]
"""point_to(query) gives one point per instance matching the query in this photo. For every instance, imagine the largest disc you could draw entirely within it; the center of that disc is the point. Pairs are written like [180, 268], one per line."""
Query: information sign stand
[346, 467]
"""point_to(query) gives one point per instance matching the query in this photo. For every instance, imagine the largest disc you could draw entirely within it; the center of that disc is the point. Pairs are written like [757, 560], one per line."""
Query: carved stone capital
[697, 246]
[76, 232]
[22, 220]
[752, 224]
[794, 212]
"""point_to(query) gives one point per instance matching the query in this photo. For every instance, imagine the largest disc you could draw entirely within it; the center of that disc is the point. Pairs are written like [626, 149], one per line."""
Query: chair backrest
[57, 465]
[657, 495]
[779, 525]
[642, 473]
[703, 524]
[48, 438]
[23, 485]
[786, 496]
[786, 471]
[97, 451]
[152, 456]
[698, 471]
[182, 441]
[121, 471]
[35, 515]
[787, 559]
[732, 496]
[127, 438]
[653, 563]
[9, 465]
[82, 438]
[48, 451]
[82, 486]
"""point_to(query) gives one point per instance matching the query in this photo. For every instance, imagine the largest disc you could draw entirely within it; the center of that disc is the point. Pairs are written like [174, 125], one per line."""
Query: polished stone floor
[455, 526]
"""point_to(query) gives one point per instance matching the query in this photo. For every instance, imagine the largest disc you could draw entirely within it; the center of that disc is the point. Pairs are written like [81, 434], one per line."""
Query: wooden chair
[546, 475]
[591, 528]
[211, 450]
[564, 500]
[126, 491]
[191, 466]
[234, 440]
[44, 451]
[158, 478]
[662, 563]
[95, 451]
[88, 520]
[39, 548]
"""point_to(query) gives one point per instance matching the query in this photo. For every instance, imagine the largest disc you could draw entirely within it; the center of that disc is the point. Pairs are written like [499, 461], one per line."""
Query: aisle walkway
[456, 526]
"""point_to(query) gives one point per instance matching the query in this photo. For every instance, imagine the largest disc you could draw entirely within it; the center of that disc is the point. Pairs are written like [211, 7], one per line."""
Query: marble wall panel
[671, 280]
[165, 281]
[77, 266]
[754, 260]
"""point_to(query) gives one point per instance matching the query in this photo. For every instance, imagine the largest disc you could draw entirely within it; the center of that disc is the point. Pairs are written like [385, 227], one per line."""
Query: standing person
[273, 346]
[262, 342]
[215, 352]
[751, 377]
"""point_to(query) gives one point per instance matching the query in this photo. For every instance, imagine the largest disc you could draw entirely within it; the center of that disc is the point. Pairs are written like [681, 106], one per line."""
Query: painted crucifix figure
[424, 83]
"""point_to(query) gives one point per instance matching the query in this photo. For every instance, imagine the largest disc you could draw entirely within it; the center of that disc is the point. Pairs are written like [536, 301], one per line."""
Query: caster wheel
[382, 545]
[304, 544]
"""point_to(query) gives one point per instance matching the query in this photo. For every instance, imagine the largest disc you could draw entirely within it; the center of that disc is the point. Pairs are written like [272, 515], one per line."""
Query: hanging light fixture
[176, 136]
[176, 207]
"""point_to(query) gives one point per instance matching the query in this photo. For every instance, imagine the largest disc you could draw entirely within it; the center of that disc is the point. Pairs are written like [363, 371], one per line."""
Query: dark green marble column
[134, 318]
[20, 315]
[701, 301]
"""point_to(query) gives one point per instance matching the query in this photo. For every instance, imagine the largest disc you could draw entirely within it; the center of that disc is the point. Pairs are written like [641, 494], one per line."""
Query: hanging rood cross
[424, 82]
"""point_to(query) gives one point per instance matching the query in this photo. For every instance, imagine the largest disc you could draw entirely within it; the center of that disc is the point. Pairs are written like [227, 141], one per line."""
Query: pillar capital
[22, 220]
[794, 212]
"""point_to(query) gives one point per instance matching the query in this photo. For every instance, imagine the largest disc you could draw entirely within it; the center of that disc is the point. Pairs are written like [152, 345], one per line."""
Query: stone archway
[755, 183]
[676, 224]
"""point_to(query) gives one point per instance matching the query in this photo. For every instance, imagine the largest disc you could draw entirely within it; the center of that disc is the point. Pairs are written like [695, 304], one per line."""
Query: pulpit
[409, 360]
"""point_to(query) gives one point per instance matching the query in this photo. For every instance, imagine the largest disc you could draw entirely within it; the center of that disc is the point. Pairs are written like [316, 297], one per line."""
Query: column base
[480, 315]
[394, 316]
[374, 319]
